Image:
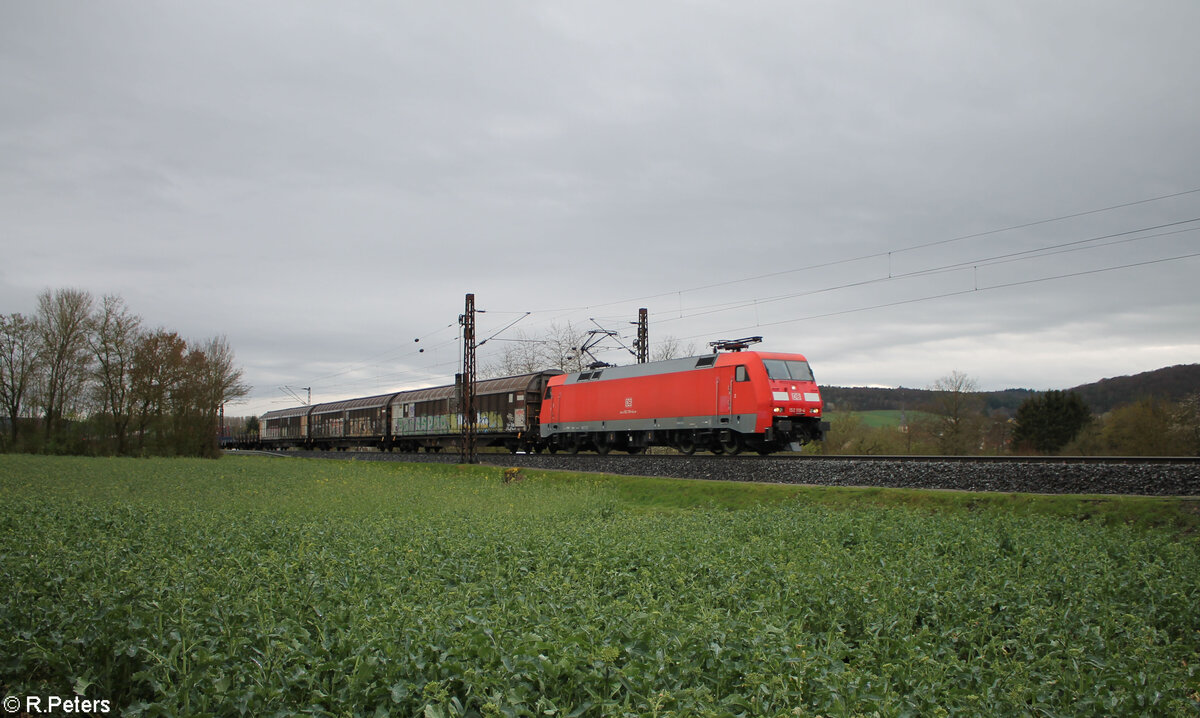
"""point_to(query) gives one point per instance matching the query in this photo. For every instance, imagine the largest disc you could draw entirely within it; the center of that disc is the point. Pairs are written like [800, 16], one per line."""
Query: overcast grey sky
[323, 182]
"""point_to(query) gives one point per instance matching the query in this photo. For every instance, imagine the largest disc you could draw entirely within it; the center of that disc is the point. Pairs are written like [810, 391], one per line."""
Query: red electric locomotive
[723, 402]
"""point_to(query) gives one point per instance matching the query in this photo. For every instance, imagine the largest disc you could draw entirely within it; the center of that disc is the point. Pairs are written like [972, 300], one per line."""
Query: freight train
[724, 402]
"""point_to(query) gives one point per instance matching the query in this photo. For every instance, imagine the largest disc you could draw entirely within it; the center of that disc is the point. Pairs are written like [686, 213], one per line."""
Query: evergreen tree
[1048, 422]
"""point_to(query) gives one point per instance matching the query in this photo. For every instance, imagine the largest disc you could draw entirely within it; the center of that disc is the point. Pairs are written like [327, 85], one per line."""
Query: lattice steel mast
[643, 338]
[467, 382]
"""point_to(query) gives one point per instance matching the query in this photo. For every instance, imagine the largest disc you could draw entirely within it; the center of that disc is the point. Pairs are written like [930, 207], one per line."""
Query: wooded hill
[1170, 383]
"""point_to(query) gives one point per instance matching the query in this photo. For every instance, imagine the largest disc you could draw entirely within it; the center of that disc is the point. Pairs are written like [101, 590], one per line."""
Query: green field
[887, 419]
[257, 587]
[883, 418]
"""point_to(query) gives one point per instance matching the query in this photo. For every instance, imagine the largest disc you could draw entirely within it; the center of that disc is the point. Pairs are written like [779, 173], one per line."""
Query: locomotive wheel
[686, 445]
[731, 444]
[601, 443]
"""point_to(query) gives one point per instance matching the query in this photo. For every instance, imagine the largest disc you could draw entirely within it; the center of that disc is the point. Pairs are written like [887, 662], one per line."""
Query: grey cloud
[323, 183]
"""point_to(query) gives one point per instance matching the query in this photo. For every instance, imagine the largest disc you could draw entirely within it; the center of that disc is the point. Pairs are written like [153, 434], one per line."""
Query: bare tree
[520, 355]
[557, 348]
[670, 347]
[217, 382]
[222, 380]
[158, 371]
[18, 364]
[114, 340]
[62, 325]
[958, 420]
[562, 348]
[180, 389]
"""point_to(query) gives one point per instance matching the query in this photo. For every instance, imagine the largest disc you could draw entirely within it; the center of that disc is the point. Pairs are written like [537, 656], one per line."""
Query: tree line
[954, 418]
[83, 376]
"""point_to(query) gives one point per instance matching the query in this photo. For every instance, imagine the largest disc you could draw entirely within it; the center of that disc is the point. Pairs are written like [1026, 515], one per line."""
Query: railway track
[1151, 476]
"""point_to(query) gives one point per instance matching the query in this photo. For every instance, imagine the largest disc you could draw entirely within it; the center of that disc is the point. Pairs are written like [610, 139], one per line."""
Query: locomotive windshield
[784, 370]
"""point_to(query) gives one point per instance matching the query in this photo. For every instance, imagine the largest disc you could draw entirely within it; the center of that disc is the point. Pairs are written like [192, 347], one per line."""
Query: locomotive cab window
[548, 393]
[741, 373]
[783, 370]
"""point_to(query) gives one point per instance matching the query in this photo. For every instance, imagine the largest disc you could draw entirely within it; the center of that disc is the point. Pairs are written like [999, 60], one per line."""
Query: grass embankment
[252, 586]
[649, 494]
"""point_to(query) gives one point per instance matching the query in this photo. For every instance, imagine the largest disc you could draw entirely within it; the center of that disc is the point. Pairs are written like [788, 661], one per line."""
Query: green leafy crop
[258, 587]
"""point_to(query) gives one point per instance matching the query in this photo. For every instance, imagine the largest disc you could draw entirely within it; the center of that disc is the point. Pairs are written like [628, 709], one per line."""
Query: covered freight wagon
[506, 413]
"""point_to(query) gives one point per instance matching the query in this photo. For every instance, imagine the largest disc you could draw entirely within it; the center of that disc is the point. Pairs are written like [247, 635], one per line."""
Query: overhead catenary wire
[1064, 247]
[503, 329]
[430, 372]
[375, 358]
[442, 372]
[875, 255]
[975, 288]
[960, 292]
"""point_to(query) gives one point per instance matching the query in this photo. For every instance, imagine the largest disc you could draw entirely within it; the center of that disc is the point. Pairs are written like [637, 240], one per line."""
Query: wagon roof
[430, 394]
[503, 385]
[366, 402]
[287, 413]
[524, 382]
